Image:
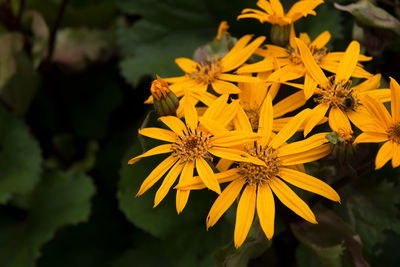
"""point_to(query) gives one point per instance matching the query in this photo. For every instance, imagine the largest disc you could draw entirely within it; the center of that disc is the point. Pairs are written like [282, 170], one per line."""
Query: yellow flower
[336, 92]
[190, 148]
[260, 182]
[213, 72]
[290, 62]
[384, 128]
[272, 11]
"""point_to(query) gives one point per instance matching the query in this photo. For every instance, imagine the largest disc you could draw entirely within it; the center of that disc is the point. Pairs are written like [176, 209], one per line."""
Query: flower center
[255, 174]
[394, 132]
[207, 71]
[338, 95]
[191, 146]
[295, 58]
[254, 116]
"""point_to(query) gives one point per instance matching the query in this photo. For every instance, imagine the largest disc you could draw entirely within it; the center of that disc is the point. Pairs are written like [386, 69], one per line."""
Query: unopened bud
[165, 101]
[280, 34]
[343, 148]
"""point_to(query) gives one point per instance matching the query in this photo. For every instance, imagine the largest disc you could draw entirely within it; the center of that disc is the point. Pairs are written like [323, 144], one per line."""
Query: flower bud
[280, 34]
[343, 147]
[165, 101]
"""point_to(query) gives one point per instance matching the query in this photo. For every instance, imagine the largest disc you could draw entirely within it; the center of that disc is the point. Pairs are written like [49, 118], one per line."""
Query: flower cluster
[225, 124]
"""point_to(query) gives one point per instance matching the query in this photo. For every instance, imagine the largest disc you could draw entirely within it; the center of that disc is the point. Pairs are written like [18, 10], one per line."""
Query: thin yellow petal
[174, 124]
[263, 65]
[245, 214]
[154, 151]
[266, 120]
[289, 104]
[195, 183]
[309, 62]
[310, 143]
[277, 7]
[372, 83]
[377, 111]
[382, 95]
[307, 156]
[395, 104]
[338, 120]
[396, 155]
[235, 155]
[158, 133]
[238, 78]
[233, 138]
[182, 196]
[306, 39]
[156, 174]
[385, 153]
[241, 121]
[190, 112]
[207, 175]
[266, 209]
[222, 87]
[309, 86]
[224, 201]
[212, 125]
[348, 63]
[371, 137]
[291, 200]
[309, 183]
[315, 116]
[289, 129]
[217, 106]
[168, 181]
[187, 65]
[321, 40]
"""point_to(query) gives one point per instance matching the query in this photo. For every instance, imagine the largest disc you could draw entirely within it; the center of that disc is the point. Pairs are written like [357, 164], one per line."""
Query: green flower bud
[280, 34]
[165, 101]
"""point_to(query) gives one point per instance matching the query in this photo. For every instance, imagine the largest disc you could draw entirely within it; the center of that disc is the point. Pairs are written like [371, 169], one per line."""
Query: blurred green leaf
[20, 157]
[60, 199]
[11, 45]
[41, 34]
[305, 257]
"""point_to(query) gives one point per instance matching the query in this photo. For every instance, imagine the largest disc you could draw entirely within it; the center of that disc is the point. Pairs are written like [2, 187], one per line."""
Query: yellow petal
[309, 183]
[315, 116]
[235, 155]
[321, 40]
[310, 143]
[245, 214]
[195, 183]
[158, 133]
[238, 78]
[377, 111]
[233, 138]
[385, 153]
[289, 129]
[219, 105]
[182, 196]
[291, 200]
[263, 65]
[307, 156]
[338, 120]
[222, 87]
[190, 112]
[277, 7]
[396, 155]
[372, 83]
[212, 125]
[309, 62]
[289, 104]
[154, 151]
[371, 137]
[266, 120]
[174, 124]
[224, 165]
[207, 175]
[241, 121]
[266, 209]
[364, 121]
[169, 180]
[156, 174]
[382, 95]
[309, 86]
[348, 63]
[187, 65]
[395, 104]
[306, 39]
[224, 201]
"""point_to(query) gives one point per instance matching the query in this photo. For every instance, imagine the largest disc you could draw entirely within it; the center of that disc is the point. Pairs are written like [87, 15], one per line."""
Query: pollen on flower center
[207, 71]
[339, 95]
[318, 54]
[191, 146]
[394, 132]
[255, 174]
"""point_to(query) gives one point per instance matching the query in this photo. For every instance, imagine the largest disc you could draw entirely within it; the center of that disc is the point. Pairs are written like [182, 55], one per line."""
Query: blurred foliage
[73, 78]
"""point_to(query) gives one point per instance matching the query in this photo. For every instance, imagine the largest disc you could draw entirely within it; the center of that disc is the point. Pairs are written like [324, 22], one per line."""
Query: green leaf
[60, 199]
[41, 35]
[20, 157]
[11, 46]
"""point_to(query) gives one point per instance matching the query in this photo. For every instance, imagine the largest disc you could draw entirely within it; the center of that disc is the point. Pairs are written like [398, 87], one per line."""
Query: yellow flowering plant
[249, 125]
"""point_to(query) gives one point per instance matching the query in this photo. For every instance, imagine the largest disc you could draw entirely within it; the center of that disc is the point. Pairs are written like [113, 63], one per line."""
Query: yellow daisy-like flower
[336, 93]
[273, 12]
[214, 72]
[261, 182]
[384, 128]
[291, 64]
[190, 148]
